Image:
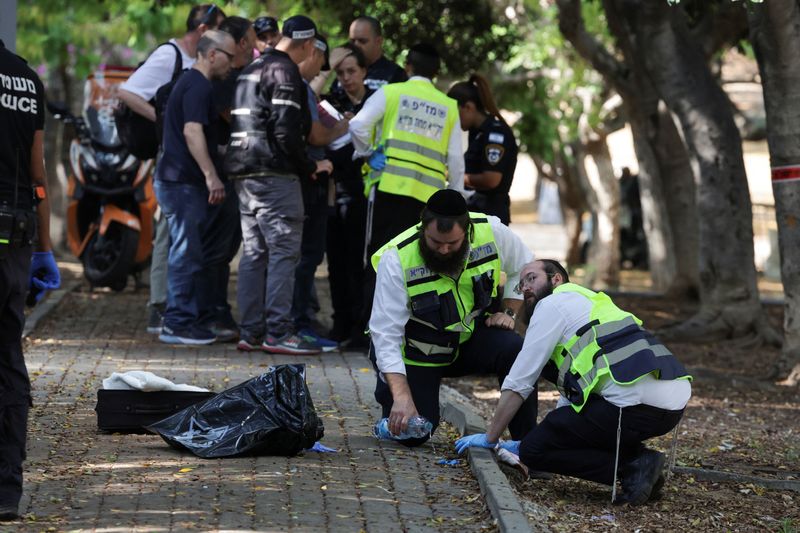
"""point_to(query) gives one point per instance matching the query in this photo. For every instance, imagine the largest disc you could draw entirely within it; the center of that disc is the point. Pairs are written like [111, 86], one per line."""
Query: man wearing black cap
[315, 202]
[266, 158]
[434, 283]
[267, 33]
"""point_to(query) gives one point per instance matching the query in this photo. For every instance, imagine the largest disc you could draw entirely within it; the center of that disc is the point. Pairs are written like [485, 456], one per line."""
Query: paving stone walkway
[79, 479]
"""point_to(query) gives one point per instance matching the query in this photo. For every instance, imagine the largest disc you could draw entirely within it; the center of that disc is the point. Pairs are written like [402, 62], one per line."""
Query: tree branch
[570, 22]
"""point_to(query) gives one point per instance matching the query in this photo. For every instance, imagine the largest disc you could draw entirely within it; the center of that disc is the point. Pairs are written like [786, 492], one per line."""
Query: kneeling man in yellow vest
[619, 387]
[435, 282]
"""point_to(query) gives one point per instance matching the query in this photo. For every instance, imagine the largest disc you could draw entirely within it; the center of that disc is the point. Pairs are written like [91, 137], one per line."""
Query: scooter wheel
[108, 259]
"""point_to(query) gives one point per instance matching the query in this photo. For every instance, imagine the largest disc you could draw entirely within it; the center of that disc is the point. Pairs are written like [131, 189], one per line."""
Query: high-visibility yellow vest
[415, 136]
[612, 344]
[443, 309]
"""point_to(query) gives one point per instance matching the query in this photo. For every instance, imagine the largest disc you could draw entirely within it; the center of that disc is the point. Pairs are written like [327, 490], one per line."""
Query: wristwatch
[510, 312]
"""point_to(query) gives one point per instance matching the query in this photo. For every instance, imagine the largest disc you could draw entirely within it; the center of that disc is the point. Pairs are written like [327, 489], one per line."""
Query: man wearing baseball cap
[267, 33]
[267, 159]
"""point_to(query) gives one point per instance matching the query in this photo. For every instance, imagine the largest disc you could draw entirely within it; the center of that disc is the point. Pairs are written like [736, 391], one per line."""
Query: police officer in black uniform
[22, 187]
[491, 157]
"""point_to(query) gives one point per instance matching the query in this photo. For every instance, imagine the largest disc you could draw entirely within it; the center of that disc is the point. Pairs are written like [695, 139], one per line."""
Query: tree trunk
[730, 305]
[629, 78]
[773, 32]
[573, 203]
[656, 218]
[604, 255]
[667, 183]
[679, 197]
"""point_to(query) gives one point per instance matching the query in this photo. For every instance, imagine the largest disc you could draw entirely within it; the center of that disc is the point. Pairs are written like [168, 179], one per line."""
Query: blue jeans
[271, 210]
[222, 236]
[185, 207]
[312, 251]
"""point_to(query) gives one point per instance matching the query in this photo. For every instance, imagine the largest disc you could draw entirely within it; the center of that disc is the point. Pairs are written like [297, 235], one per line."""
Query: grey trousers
[158, 263]
[271, 210]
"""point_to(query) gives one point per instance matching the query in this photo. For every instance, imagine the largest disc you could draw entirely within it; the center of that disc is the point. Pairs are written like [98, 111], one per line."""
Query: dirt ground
[737, 421]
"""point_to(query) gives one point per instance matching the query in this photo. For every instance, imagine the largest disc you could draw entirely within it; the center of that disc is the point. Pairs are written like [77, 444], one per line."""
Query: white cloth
[145, 381]
[555, 320]
[369, 120]
[156, 71]
[390, 305]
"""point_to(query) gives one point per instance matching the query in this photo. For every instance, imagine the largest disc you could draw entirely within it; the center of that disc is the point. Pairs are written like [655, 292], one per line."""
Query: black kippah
[447, 203]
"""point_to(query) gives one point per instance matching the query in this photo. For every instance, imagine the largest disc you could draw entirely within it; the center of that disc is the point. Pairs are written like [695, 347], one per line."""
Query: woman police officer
[491, 156]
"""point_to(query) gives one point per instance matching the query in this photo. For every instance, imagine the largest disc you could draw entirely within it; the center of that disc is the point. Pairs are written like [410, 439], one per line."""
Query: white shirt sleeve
[513, 255]
[363, 124]
[390, 313]
[455, 160]
[155, 71]
[544, 332]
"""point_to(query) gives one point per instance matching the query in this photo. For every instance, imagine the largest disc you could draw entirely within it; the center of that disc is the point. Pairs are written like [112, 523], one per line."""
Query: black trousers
[583, 444]
[488, 351]
[392, 214]
[345, 248]
[15, 388]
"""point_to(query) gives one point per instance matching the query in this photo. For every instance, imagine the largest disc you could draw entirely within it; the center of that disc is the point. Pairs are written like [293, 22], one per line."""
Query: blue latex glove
[478, 440]
[44, 274]
[377, 161]
[321, 448]
[510, 445]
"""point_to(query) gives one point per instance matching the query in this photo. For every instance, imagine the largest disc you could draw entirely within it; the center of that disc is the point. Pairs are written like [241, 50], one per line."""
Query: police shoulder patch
[494, 153]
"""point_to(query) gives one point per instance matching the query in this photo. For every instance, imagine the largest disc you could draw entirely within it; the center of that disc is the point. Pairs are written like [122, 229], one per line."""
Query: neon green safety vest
[415, 136]
[612, 344]
[443, 309]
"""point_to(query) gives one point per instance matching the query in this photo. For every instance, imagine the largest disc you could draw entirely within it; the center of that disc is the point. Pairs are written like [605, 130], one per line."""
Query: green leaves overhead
[468, 35]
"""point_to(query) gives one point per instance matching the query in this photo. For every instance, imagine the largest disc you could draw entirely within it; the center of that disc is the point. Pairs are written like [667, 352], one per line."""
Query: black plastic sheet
[271, 414]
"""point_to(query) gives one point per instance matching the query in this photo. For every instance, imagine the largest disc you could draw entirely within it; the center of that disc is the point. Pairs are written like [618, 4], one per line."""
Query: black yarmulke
[447, 203]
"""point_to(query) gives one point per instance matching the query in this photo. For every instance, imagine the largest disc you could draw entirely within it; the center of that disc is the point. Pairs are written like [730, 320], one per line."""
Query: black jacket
[270, 120]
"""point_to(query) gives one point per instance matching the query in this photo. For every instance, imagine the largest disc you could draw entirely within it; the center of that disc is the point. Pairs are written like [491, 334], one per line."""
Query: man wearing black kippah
[434, 283]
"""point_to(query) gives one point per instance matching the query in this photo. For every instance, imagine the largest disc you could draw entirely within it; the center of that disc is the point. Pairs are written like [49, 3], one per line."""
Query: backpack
[138, 134]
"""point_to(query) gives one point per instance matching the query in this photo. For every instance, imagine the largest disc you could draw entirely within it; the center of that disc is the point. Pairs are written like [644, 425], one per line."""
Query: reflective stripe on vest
[612, 344]
[443, 310]
[415, 135]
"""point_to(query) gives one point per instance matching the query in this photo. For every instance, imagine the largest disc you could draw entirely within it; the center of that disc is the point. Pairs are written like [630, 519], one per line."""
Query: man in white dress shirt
[620, 386]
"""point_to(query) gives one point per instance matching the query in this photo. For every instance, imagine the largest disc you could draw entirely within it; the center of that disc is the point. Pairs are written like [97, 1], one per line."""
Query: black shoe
[155, 318]
[8, 513]
[356, 343]
[657, 494]
[640, 477]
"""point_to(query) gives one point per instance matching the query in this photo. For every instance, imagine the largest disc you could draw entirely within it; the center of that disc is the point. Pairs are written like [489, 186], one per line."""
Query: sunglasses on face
[230, 55]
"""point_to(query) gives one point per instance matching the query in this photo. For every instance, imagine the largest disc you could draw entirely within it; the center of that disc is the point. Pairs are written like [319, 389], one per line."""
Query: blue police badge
[494, 153]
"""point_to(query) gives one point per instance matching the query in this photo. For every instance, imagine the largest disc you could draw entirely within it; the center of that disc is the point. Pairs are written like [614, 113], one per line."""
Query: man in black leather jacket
[266, 158]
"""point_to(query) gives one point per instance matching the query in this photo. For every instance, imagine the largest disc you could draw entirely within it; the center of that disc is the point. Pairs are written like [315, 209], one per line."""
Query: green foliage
[547, 83]
[468, 35]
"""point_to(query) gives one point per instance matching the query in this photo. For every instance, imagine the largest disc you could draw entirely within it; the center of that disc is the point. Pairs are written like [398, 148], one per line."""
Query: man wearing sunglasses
[138, 92]
[187, 183]
[620, 386]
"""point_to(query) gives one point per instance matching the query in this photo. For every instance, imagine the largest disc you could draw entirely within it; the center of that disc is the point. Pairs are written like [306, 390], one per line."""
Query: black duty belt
[17, 228]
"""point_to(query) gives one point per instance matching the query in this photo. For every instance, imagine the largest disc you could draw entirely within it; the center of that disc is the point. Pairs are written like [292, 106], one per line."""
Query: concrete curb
[500, 497]
[42, 309]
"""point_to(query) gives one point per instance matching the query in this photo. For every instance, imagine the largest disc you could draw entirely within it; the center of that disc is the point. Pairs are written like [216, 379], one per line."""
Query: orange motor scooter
[111, 197]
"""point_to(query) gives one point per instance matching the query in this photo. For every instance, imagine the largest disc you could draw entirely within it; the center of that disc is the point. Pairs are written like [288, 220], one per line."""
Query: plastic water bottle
[418, 427]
